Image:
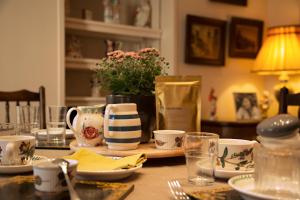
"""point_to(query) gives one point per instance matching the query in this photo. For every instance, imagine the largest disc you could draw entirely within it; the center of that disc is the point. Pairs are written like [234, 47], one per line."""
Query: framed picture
[235, 2]
[205, 41]
[245, 37]
[246, 106]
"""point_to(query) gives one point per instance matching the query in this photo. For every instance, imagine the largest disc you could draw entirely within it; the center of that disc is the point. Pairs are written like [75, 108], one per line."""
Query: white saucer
[226, 173]
[110, 175]
[244, 184]
[42, 133]
[14, 169]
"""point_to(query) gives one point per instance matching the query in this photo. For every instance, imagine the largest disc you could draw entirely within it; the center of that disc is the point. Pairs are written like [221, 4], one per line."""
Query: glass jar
[277, 171]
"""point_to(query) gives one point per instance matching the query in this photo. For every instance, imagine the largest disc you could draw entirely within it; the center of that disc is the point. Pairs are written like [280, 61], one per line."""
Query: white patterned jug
[122, 126]
[87, 124]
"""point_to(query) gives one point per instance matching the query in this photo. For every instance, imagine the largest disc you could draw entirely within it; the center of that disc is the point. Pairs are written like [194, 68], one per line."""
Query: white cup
[50, 178]
[16, 149]
[235, 154]
[168, 139]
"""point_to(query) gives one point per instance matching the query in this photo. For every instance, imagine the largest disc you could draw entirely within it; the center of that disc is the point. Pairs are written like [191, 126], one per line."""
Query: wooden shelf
[98, 28]
[84, 100]
[81, 63]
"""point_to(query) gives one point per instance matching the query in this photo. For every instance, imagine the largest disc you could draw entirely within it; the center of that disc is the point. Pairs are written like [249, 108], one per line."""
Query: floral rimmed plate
[14, 169]
[245, 185]
[108, 175]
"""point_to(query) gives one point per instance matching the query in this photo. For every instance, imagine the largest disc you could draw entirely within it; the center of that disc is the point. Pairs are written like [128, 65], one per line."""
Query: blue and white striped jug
[122, 126]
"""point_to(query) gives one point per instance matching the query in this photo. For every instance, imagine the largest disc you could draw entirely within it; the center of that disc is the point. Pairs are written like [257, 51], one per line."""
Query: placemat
[216, 191]
[22, 187]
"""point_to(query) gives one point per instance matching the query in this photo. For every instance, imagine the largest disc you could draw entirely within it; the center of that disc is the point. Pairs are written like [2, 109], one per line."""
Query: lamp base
[283, 83]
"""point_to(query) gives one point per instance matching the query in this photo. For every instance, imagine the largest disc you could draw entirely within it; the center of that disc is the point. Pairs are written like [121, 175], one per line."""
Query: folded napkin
[91, 161]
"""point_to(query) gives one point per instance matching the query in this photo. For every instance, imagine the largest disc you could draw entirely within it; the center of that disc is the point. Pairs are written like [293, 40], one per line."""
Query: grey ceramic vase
[278, 126]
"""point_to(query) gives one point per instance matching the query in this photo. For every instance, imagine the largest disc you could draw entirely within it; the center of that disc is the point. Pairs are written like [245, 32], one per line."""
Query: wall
[32, 47]
[235, 76]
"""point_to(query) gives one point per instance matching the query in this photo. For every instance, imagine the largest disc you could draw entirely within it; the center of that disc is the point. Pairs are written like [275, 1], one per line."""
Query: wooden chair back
[287, 99]
[25, 96]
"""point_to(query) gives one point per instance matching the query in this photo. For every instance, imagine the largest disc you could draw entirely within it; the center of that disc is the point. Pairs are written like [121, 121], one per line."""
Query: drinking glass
[29, 119]
[56, 126]
[8, 129]
[201, 151]
[277, 172]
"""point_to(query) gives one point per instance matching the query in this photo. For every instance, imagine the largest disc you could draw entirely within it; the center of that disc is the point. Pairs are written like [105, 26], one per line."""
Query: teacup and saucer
[17, 153]
[235, 157]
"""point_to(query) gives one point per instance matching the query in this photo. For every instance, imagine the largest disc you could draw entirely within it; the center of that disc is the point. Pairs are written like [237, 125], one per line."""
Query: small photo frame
[246, 106]
[205, 41]
[234, 2]
[245, 37]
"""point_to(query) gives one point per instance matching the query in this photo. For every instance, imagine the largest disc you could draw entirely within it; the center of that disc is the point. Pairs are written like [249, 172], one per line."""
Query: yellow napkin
[91, 161]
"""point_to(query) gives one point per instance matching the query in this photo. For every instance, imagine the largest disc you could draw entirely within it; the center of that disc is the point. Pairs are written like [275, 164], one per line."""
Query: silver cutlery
[177, 190]
[63, 164]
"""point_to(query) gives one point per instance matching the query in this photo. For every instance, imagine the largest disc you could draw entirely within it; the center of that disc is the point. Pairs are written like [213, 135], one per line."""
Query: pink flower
[132, 54]
[115, 54]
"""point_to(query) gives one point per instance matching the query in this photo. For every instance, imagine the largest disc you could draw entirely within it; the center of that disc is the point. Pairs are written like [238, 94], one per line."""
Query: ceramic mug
[122, 126]
[235, 154]
[16, 149]
[168, 139]
[50, 178]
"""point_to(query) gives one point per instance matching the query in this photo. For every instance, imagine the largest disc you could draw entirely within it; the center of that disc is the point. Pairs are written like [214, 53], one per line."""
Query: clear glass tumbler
[201, 151]
[277, 172]
[29, 119]
[8, 129]
[56, 126]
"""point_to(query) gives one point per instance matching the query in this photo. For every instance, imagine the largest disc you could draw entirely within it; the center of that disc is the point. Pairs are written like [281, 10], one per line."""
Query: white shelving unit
[161, 36]
[81, 101]
[81, 63]
[97, 28]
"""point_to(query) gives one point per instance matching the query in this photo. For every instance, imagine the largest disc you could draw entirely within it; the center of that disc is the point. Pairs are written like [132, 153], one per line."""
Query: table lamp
[280, 54]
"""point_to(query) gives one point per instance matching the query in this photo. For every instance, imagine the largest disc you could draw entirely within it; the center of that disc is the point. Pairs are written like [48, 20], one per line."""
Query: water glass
[277, 172]
[29, 119]
[201, 151]
[56, 126]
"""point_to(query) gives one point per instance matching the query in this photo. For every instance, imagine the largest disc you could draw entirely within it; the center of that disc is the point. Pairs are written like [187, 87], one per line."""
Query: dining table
[150, 181]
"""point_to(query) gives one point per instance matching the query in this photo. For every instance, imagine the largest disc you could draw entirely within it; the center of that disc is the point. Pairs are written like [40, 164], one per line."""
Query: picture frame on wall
[235, 2]
[205, 41]
[245, 37]
[246, 106]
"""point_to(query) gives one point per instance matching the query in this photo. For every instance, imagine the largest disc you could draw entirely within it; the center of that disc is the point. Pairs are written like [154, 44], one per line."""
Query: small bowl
[168, 139]
[50, 178]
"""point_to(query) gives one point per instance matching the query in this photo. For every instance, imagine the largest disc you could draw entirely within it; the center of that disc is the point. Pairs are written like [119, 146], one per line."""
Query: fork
[177, 190]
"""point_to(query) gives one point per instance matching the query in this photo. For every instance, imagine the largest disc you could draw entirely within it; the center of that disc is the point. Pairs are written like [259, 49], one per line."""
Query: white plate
[43, 133]
[244, 184]
[110, 175]
[225, 173]
[14, 169]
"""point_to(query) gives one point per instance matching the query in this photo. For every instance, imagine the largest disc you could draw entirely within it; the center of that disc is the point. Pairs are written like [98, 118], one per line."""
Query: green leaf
[225, 153]
[222, 162]
[242, 163]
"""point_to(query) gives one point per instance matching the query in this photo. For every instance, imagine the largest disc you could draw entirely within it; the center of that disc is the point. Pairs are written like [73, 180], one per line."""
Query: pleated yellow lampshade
[280, 53]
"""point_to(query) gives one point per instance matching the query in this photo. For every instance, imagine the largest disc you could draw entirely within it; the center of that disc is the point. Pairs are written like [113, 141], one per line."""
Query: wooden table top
[150, 182]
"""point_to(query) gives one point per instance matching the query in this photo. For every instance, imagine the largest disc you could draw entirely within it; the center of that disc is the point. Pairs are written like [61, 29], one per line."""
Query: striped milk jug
[122, 126]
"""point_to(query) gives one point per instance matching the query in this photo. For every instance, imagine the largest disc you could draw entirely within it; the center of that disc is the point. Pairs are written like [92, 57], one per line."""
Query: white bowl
[168, 139]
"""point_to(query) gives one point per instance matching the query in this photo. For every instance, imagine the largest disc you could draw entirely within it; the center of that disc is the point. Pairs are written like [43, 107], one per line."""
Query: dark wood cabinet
[231, 129]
